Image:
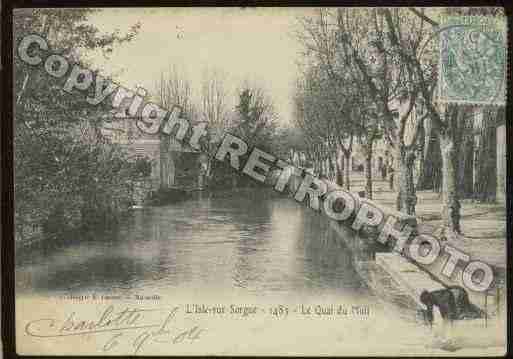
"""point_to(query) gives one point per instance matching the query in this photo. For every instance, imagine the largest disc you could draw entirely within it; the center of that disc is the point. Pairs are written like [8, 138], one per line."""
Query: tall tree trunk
[317, 163]
[451, 204]
[406, 197]
[465, 156]
[368, 169]
[485, 161]
[340, 169]
[430, 177]
[448, 138]
[324, 167]
[347, 170]
[333, 165]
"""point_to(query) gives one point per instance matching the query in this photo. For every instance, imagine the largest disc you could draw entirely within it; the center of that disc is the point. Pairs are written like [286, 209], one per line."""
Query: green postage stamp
[472, 66]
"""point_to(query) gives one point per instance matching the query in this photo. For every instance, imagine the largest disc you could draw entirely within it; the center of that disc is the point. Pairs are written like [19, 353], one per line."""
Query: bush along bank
[90, 191]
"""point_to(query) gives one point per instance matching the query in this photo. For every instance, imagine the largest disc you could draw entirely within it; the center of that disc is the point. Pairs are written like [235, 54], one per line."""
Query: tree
[350, 46]
[446, 119]
[214, 97]
[486, 152]
[214, 111]
[449, 121]
[369, 130]
[255, 117]
[289, 143]
[66, 173]
[430, 167]
[334, 86]
[254, 121]
[367, 37]
[172, 89]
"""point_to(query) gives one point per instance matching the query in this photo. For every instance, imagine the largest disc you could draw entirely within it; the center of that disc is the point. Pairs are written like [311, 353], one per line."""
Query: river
[242, 248]
[252, 240]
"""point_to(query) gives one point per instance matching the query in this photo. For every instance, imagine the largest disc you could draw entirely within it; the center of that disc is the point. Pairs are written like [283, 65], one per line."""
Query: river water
[244, 247]
[253, 241]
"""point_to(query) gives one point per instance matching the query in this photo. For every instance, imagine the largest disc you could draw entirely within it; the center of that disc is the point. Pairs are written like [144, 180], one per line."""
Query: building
[183, 163]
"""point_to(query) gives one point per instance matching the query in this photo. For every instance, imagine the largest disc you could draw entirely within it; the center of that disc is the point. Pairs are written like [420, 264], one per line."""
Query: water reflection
[252, 241]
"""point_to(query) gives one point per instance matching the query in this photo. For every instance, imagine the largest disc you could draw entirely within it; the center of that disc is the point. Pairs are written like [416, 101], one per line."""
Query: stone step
[400, 216]
[413, 279]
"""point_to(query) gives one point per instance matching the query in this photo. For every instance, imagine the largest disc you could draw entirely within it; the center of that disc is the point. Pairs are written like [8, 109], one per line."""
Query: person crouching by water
[452, 302]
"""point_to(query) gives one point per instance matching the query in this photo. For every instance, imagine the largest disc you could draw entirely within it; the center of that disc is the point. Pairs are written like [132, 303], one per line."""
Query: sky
[255, 44]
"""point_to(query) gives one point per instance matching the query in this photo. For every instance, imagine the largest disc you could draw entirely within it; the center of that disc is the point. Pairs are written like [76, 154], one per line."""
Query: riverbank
[70, 232]
[483, 238]
[242, 245]
[483, 224]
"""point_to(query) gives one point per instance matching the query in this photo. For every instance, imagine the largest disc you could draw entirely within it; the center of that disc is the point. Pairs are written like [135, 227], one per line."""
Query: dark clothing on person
[452, 302]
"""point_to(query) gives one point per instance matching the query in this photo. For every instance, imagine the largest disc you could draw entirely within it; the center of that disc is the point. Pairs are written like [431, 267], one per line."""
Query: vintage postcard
[260, 181]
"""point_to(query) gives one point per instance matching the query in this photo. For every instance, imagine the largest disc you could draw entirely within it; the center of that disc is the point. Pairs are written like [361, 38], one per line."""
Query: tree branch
[424, 17]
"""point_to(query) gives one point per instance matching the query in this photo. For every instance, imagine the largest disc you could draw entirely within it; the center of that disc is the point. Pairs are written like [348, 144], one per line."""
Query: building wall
[185, 161]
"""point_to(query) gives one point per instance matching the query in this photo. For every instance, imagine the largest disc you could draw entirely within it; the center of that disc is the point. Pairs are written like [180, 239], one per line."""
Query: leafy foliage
[255, 118]
[67, 175]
